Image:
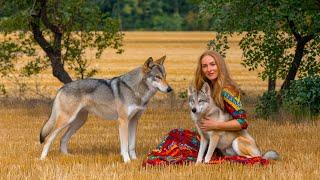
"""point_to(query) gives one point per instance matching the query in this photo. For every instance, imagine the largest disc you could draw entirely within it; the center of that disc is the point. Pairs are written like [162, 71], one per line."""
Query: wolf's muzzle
[169, 89]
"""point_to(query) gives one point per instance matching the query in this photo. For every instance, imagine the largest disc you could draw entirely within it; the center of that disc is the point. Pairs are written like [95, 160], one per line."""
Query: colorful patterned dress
[233, 106]
[181, 146]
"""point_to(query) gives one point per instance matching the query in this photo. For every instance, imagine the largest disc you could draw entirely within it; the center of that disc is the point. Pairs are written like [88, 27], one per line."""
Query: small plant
[303, 96]
[268, 105]
[2, 90]
[183, 94]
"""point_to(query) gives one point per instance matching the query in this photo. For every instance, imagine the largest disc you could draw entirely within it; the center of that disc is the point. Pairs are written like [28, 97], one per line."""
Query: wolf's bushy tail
[48, 126]
[271, 154]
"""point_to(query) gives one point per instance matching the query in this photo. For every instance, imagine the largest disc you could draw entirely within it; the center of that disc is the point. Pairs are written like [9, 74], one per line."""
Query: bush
[303, 96]
[267, 105]
[183, 94]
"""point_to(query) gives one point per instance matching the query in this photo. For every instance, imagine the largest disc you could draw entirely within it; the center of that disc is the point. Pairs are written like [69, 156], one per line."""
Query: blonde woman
[211, 68]
[181, 145]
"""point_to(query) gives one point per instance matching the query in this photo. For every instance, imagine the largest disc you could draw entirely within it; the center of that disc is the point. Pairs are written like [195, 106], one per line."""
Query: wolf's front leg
[202, 149]
[132, 135]
[214, 139]
[123, 134]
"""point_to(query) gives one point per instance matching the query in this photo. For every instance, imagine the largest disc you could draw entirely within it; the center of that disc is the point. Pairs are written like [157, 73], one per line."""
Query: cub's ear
[191, 90]
[161, 60]
[206, 88]
[148, 64]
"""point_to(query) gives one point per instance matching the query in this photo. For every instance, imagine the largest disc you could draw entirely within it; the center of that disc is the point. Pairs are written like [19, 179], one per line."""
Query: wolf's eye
[201, 101]
[158, 77]
[191, 100]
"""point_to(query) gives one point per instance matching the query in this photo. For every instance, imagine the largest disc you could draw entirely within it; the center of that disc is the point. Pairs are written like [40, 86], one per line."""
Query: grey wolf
[229, 142]
[122, 98]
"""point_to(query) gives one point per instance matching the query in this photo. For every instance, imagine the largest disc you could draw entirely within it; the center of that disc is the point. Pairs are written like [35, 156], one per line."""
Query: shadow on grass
[94, 150]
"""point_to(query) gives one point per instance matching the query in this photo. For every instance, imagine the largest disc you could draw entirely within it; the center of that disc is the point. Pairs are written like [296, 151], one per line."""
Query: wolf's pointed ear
[161, 60]
[148, 64]
[190, 90]
[206, 88]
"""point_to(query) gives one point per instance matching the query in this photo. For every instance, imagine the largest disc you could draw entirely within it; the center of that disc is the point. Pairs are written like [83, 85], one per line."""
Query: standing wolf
[229, 142]
[122, 98]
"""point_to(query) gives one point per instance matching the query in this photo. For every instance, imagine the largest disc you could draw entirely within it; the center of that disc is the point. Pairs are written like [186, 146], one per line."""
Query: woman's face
[209, 67]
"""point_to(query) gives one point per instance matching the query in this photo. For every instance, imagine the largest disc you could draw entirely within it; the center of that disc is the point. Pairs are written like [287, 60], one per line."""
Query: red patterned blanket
[181, 146]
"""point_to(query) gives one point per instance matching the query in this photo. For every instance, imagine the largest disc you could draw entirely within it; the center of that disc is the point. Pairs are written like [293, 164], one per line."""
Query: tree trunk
[296, 61]
[53, 52]
[301, 42]
[58, 70]
[271, 84]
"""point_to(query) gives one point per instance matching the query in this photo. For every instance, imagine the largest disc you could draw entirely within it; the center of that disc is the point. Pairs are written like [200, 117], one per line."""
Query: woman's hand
[207, 124]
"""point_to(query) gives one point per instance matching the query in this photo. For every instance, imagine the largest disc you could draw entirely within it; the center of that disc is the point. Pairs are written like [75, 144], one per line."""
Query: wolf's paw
[126, 158]
[63, 149]
[207, 160]
[199, 161]
[133, 155]
[64, 152]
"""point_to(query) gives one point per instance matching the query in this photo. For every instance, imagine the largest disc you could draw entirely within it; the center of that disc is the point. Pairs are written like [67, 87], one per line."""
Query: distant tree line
[165, 15]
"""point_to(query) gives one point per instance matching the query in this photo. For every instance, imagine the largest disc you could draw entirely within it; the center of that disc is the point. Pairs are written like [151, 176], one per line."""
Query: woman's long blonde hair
[223, 79]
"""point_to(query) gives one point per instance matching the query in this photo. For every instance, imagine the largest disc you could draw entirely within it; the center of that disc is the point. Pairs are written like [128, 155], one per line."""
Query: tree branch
[45, 20]
[67, 47]
[293, 29]
[308, 38]
[57, 43]
[37, 33]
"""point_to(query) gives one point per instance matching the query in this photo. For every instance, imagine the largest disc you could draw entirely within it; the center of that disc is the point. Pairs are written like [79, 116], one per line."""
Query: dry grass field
[95, 148]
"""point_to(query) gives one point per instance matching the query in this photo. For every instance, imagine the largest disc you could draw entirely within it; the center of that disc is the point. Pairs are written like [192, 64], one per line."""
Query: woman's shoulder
[230, 90]
[231, 96]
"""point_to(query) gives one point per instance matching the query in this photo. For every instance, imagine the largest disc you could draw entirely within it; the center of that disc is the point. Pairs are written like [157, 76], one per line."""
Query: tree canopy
[63, 29]
[281, 36]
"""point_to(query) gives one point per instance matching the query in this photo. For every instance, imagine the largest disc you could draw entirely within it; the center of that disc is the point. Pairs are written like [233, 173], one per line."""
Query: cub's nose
[169, 89]
[194, 110]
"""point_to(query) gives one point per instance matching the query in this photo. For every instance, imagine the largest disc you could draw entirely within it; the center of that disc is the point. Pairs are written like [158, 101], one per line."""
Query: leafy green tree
[64, 30]
[269, 51]
[282, 36]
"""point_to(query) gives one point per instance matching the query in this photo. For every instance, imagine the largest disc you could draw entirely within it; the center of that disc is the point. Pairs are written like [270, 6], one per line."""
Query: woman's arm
[233, 106]
[209, 125]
